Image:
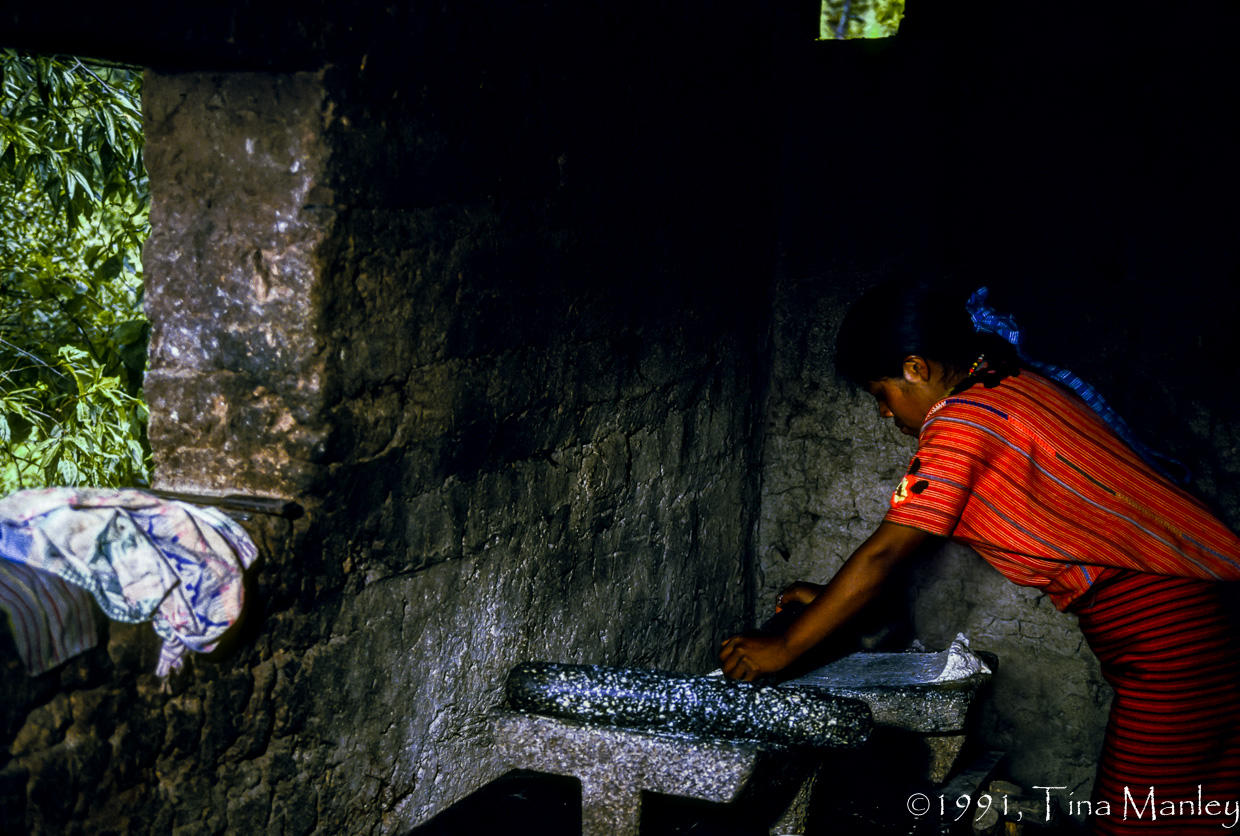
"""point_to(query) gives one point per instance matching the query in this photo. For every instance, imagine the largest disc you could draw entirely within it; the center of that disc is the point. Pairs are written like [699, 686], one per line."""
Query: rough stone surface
[615, 766]
[238, 215]
[689, 706]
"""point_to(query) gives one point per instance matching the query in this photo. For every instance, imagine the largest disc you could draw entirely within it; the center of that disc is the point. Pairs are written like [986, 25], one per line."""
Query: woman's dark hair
[893, 320]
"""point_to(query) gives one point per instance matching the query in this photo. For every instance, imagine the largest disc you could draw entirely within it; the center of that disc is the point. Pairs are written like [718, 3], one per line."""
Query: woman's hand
[854, 586]
[749, 657]
[801, 592]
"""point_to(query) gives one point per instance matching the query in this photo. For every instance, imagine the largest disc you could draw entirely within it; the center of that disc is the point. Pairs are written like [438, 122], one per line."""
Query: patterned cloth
[177, 565]
[1031, 478]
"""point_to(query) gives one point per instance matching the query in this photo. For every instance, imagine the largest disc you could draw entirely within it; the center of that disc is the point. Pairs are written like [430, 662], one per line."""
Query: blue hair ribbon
[987, 319]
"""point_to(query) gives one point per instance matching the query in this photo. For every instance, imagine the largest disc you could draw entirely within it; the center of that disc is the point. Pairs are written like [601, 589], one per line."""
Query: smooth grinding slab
[868, 670]
[916, 691]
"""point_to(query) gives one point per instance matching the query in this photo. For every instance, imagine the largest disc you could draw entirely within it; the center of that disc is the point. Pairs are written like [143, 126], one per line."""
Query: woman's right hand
[801, 592]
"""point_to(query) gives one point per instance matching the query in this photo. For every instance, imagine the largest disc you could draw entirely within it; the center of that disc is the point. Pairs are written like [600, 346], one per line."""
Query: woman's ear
[916, 369]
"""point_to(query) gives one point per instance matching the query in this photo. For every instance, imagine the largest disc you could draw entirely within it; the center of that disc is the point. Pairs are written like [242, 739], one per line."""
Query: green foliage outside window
[73, 217]
[843, 20]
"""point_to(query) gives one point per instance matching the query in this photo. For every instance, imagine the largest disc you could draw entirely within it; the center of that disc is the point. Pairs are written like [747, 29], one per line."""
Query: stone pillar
[239, 214]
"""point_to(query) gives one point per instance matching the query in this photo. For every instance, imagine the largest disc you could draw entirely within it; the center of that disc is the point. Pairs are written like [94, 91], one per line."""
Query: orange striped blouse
[1031, 478]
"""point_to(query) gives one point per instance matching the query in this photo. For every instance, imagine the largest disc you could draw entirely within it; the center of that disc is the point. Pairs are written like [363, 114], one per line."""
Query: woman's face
[908, 399]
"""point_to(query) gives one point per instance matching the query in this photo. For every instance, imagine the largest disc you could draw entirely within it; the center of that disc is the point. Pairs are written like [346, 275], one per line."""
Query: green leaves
[74, 209]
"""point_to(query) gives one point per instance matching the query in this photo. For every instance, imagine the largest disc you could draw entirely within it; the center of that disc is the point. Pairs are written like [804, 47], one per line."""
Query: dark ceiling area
[1083, 153]
[1081, 160]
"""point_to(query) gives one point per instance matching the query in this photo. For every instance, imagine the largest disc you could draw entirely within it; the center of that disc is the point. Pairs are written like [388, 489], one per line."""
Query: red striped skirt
[1170, 761]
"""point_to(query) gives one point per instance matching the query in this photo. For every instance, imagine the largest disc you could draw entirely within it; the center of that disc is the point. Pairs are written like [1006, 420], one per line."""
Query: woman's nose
[884, 410]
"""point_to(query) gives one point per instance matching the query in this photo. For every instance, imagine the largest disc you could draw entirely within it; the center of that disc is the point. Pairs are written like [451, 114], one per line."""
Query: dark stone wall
[496, 312]
[487, 288]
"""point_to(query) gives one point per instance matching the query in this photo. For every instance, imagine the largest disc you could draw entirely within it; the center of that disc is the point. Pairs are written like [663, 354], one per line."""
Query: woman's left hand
[749, 657]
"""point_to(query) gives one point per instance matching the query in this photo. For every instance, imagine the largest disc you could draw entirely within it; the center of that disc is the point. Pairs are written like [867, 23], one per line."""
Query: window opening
[844, 20]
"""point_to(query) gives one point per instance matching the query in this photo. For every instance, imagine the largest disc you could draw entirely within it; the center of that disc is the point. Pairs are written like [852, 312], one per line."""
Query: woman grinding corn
[1025, 463]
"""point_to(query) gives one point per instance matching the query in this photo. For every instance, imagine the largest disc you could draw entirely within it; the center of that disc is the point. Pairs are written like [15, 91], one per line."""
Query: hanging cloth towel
[141, 558]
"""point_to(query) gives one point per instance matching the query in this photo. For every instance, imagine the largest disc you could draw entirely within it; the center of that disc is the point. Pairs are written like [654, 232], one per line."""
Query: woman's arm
[855, 585]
